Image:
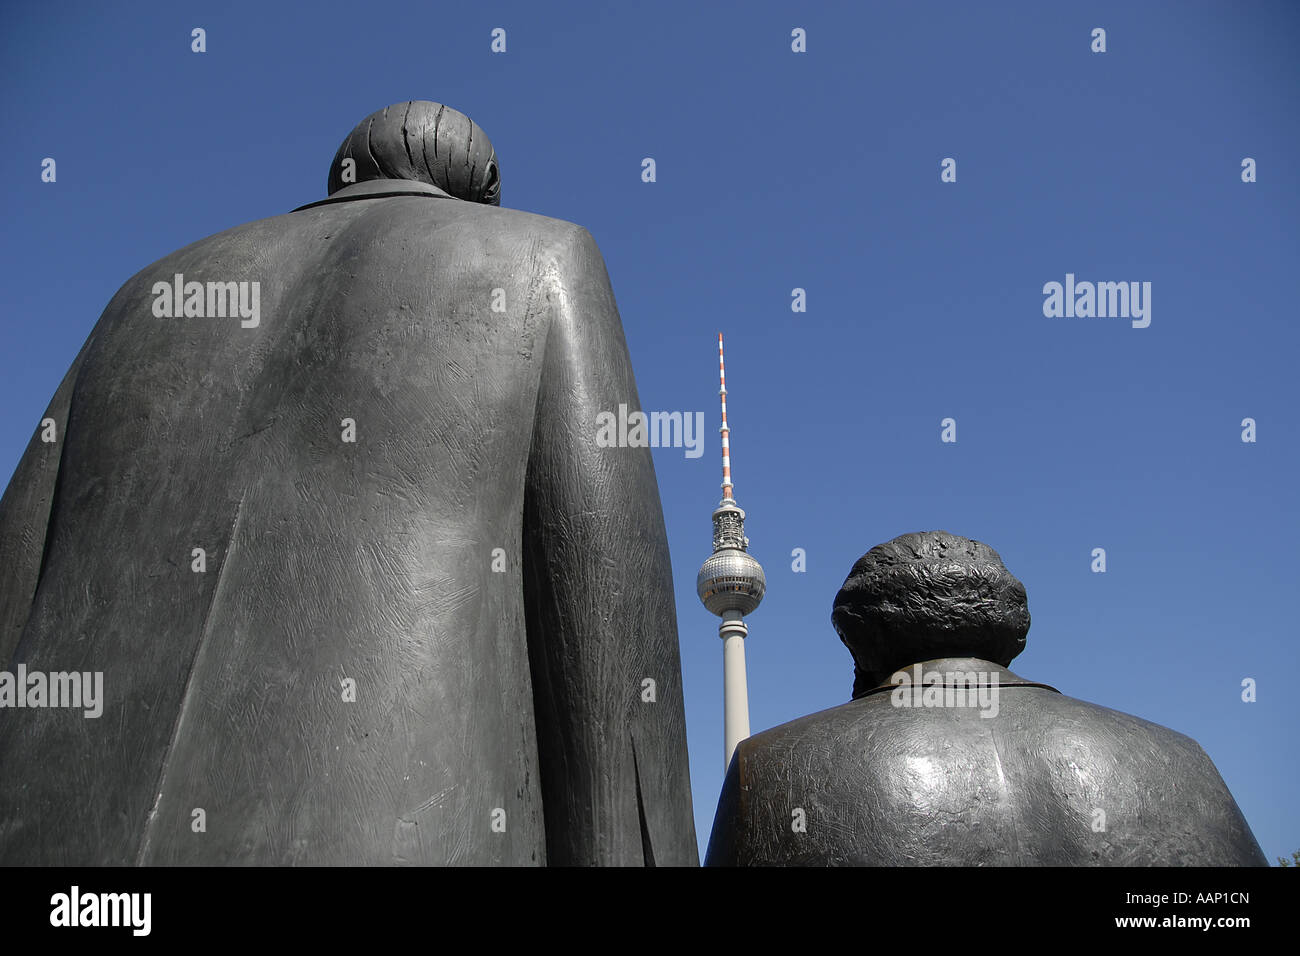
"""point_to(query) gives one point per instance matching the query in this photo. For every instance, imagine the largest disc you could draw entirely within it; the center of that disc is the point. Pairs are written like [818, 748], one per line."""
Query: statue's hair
[424, 142]
[928, 595]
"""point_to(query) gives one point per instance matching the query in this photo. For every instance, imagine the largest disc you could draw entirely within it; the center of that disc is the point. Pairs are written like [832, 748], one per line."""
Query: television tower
[731, 584]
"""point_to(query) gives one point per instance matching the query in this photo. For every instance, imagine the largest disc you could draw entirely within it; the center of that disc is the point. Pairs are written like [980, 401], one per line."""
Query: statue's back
[1045, 780]
[342, 674]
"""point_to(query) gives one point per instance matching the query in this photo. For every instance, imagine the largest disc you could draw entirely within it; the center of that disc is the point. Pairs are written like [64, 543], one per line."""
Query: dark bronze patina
[495, 586]
[935, 771]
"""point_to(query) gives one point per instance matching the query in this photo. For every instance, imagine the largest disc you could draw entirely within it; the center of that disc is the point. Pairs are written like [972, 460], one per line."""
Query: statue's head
[924, 596]
[424, 142]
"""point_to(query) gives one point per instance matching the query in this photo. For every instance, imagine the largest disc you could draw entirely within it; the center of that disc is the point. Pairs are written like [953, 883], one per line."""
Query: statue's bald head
[924, 596]
[424, 142]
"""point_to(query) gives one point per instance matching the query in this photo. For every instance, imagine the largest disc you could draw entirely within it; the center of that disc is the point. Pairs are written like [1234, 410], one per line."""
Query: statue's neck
[380, 189]
[953, 671]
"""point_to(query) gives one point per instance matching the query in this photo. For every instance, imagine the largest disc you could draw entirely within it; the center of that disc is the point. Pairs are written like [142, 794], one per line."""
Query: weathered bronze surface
[494, 587]
[967, 764]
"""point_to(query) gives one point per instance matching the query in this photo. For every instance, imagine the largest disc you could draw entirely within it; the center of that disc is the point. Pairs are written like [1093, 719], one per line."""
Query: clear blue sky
[821, 171]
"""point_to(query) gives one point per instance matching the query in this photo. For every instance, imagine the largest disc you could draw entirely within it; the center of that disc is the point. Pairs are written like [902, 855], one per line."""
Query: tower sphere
[731, 580]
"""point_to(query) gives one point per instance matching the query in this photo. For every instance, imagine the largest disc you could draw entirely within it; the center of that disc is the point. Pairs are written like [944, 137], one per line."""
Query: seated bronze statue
[322, 501]
[946, 757]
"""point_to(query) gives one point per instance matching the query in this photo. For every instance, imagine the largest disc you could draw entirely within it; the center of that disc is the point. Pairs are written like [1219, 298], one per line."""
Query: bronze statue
[325, 507]
[946, 757]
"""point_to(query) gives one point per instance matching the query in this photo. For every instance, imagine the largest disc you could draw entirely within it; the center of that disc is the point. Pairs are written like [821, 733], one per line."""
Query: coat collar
[380, 189]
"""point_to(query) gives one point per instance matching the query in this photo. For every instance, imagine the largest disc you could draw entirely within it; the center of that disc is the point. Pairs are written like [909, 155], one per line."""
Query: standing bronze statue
[321, 499]
[945, 757]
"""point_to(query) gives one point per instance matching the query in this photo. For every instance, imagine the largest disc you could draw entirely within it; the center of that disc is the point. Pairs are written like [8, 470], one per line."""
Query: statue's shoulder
[416, 239]
[426, 214]
[1037, 729]
[1067, 724]
[483, 236]
[824, 739]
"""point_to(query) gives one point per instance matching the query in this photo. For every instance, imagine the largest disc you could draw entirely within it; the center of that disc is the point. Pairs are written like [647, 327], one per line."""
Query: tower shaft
[735, 684]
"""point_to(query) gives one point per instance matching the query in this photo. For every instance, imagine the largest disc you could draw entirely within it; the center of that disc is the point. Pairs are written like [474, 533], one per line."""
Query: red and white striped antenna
[728, 490]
